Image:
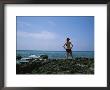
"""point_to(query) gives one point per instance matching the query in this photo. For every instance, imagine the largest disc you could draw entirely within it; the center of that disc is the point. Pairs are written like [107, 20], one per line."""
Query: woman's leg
[71, 54]
[67, 55]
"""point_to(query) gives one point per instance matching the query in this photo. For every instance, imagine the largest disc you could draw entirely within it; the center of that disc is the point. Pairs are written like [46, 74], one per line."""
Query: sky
[49, 33]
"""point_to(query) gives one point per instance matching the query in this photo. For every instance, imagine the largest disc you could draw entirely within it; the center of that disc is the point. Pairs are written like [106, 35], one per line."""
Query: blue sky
[50, 32]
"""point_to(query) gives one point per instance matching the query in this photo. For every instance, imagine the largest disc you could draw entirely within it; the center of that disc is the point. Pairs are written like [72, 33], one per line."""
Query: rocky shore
[57, 66]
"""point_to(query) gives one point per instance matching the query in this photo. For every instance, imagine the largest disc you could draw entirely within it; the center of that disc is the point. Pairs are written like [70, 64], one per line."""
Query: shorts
[68, 50]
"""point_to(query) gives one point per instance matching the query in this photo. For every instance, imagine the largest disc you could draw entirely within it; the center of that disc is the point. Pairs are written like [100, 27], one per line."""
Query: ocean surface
[54, 54]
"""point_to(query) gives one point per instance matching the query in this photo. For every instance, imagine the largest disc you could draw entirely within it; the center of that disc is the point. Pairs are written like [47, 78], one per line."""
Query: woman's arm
[64, 46]
[71, 45]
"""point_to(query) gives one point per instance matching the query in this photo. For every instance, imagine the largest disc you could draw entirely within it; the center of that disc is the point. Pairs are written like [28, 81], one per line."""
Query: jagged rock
[60, 66]
[18, 57]
[44, 56]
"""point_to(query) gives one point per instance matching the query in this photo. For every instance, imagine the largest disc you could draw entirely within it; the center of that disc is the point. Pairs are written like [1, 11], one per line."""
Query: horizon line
[54, 50]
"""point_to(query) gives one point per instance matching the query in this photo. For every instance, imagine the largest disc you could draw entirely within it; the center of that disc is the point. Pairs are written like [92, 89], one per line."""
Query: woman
[68, 46]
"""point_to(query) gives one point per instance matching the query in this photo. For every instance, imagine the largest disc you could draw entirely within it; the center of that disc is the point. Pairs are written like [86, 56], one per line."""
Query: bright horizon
[48, 33]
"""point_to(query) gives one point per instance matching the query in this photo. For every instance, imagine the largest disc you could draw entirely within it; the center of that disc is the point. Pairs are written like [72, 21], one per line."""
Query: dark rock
[44, 56]
[18, 57]
[58, 67]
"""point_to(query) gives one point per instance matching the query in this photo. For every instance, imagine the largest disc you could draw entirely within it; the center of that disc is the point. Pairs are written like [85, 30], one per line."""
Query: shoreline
[57, 66]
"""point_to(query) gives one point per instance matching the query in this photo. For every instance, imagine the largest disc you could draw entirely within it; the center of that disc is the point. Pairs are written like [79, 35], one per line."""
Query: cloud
[43, 40]
[46, 35]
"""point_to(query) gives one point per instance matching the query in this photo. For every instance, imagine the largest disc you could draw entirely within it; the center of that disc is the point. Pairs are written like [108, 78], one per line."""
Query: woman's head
[67, 39]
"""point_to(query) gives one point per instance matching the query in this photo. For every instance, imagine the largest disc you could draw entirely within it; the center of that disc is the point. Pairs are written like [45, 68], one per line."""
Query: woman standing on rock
[68, 46]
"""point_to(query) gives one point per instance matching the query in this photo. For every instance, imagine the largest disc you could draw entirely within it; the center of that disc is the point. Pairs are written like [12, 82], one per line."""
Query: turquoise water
[55, 54]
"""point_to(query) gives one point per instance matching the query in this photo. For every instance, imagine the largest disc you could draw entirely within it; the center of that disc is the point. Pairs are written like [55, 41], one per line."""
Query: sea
[54, 54]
